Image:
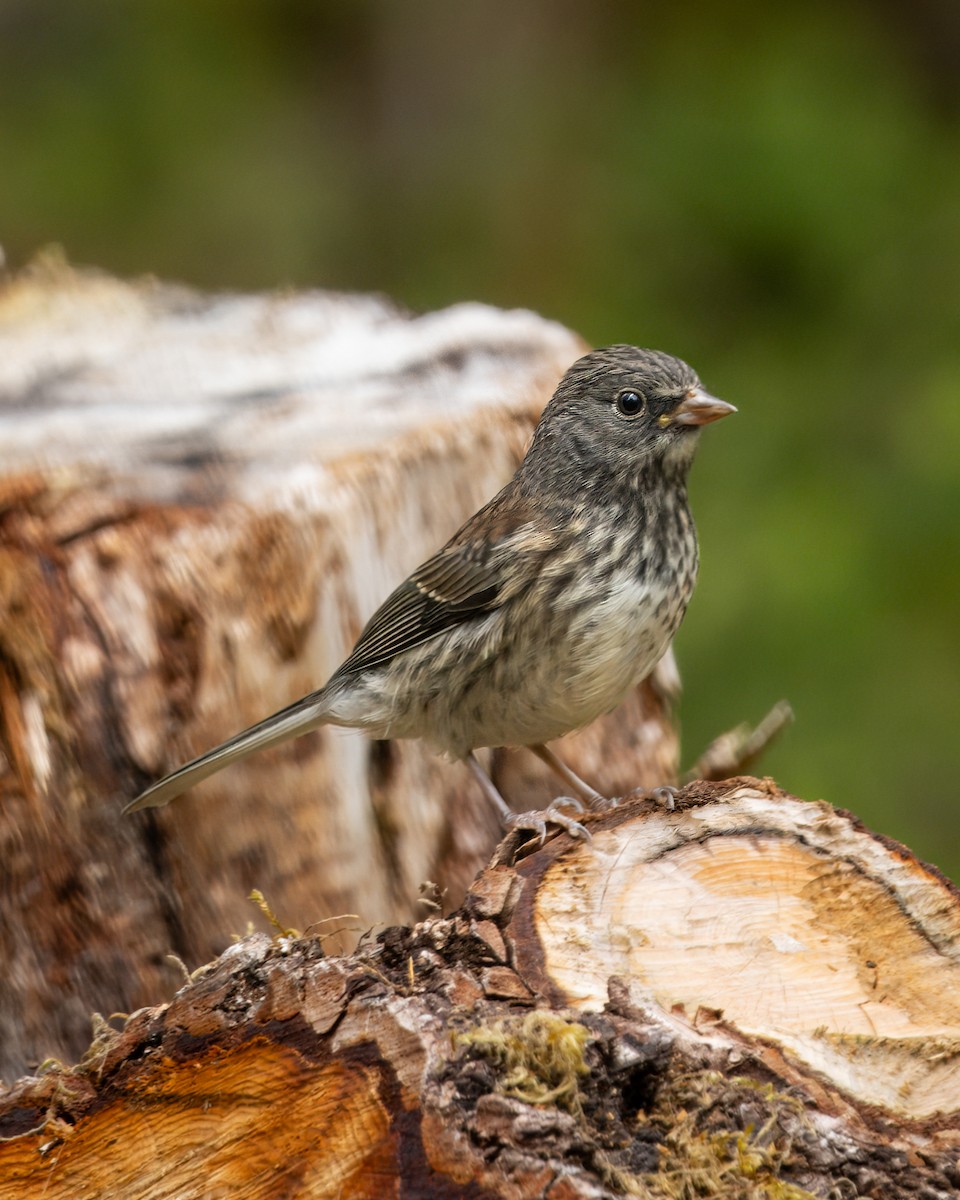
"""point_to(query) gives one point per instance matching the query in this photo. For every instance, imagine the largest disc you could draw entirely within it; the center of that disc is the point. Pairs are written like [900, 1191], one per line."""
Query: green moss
[728, 1163]
[541, 1057]
[713, 1161]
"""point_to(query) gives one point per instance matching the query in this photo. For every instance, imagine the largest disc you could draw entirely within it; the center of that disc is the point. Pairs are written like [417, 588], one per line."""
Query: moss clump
[737, 1164]
[540, 1057]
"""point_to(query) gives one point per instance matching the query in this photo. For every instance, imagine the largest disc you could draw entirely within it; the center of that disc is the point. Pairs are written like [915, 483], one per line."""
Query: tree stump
[749, 996]
[202, 499]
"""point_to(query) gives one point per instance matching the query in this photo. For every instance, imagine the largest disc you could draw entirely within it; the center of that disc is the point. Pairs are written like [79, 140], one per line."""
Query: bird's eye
[630, 404]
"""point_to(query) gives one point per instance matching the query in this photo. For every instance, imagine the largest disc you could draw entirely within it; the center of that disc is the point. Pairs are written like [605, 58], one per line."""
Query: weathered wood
[750, 996]
[202, 498]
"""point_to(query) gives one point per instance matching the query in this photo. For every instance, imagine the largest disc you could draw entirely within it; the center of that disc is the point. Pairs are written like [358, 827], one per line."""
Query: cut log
[202, 499]
[749, 996]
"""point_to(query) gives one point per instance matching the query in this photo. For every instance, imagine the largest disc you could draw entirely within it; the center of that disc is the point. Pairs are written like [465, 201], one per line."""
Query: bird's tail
[290, 722]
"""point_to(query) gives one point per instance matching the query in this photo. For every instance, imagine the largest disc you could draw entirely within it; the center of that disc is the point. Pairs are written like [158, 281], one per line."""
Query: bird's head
[621, 408]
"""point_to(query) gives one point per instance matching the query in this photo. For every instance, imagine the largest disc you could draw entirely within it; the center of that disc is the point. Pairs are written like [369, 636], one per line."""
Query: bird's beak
[697, 408]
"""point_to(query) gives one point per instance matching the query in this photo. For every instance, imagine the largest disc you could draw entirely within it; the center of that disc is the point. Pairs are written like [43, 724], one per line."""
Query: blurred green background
[772, 192]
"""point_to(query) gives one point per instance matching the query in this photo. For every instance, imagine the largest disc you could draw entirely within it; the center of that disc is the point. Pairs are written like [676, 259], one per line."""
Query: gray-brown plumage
[548, 605]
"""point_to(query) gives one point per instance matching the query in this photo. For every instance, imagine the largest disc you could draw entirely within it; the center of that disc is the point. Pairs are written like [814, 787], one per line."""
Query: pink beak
[698, 408]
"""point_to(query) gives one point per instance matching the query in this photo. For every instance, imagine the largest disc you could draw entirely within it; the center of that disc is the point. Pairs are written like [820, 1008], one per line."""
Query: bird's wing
[485, 564]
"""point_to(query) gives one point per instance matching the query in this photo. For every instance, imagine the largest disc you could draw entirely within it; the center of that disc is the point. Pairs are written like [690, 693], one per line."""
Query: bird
[545, 608]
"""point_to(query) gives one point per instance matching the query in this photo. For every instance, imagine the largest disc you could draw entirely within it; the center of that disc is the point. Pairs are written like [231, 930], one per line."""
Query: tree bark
[747, 996]
[202, 499]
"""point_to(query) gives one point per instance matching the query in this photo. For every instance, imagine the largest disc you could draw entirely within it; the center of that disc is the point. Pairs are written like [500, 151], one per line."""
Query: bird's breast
[583, 638]
[554, 657]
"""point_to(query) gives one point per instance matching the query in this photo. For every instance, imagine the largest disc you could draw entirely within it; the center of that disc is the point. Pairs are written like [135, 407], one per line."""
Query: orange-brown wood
[248, 1122]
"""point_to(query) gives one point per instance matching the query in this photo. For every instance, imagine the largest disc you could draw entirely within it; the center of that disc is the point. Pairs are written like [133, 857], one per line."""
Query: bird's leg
[489, 788]
[570, 778]
[535, 822]
[664, 796]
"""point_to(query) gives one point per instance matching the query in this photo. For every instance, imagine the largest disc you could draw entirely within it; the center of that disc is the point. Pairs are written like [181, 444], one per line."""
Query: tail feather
[290, 722]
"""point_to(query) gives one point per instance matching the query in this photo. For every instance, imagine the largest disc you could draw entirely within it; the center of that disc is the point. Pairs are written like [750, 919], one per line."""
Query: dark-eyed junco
[547, 606]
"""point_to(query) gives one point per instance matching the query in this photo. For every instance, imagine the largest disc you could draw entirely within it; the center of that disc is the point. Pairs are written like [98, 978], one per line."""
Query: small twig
[323, 937]
[734, 752]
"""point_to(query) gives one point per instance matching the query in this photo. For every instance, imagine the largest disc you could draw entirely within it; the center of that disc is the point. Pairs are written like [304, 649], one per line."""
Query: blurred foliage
[772, 192]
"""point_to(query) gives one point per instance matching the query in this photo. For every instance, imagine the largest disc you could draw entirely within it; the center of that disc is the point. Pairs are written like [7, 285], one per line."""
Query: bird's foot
[665, 795]
[573, 802]
[536, 822]
[599, 804]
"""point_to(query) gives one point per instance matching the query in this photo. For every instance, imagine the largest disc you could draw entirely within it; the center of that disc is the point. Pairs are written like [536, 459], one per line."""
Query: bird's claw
[665, 796]
[573, 802]
[604, 803]
[536, 822]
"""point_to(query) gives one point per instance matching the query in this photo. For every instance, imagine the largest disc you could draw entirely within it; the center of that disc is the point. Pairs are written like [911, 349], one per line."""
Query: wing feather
[495, 555]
